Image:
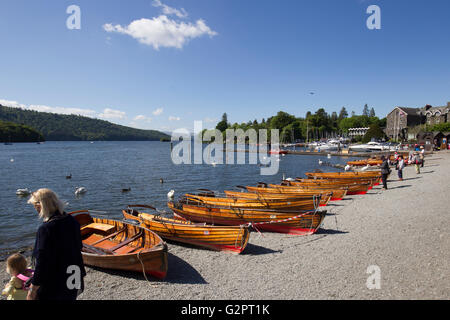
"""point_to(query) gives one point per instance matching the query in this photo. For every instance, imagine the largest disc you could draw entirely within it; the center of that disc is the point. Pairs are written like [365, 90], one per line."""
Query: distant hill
[58, 127]
[13, 132]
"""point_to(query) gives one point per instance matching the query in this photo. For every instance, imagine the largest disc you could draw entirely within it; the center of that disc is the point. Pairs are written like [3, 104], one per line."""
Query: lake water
[104, 169]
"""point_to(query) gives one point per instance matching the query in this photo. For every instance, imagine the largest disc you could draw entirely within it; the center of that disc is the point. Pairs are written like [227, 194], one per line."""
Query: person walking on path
[400, 166]
[59, 268]
[422, 155]
[416, 161]
[385, 171]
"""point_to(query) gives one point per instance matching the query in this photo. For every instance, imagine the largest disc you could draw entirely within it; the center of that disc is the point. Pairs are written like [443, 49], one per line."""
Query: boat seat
[105, 228]
[99, 242]
[125, 250]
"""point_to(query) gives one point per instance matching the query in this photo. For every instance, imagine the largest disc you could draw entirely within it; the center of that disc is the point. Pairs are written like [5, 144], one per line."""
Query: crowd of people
[415, 157]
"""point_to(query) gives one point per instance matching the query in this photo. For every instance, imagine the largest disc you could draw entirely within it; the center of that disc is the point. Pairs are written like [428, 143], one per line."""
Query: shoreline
[404, 231]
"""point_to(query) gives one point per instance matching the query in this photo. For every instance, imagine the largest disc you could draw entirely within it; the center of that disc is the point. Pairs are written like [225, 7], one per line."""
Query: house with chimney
[400, 120]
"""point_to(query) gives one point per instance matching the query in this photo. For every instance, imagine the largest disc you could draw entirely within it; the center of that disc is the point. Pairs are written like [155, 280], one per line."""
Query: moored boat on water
[119, 245]
[222, 238]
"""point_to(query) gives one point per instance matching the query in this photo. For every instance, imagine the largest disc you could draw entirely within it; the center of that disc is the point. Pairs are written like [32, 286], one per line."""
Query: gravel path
[404, 231]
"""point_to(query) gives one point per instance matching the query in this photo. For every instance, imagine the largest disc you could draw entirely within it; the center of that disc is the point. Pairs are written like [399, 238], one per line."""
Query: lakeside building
[401, 119]
[354, 132]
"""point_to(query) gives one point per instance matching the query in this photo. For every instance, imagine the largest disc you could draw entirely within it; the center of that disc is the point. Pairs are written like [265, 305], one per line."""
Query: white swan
[347, 167]
[171, 194]
[290, 179]
[365, 168]
[23, 192]
[320, 162]
[80, 190]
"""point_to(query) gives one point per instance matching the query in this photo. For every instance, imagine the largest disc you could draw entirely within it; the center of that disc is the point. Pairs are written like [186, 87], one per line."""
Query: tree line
[58, 127]
[12, 132]
[314, 125]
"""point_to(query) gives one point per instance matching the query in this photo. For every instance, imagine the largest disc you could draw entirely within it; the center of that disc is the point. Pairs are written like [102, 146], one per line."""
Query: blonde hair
[17, 263]
[49, 202]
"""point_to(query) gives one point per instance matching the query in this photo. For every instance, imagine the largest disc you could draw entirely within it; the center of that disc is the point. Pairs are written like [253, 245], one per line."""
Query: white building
[353, 132]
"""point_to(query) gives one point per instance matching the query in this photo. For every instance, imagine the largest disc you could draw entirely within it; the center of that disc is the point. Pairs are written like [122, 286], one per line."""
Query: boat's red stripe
[157, 274]
[357, 192]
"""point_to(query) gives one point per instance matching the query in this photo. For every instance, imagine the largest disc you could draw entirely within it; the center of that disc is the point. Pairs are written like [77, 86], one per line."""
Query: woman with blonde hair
[59, 268]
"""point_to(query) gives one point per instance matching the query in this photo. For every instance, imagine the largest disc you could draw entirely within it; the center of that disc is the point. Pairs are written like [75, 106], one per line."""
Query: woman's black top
[385, 167]
[58, 246]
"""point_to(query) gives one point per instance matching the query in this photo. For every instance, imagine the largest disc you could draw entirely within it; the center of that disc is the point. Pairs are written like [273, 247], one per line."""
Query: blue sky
[249, 58]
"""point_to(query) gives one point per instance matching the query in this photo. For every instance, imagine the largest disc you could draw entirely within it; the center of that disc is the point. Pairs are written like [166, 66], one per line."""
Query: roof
[410, 111]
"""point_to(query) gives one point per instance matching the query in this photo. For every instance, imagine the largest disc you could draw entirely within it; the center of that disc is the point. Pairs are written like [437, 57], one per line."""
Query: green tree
[372, 112]
[365, 110]
[374, 132]
[343, 114]
[223, 124]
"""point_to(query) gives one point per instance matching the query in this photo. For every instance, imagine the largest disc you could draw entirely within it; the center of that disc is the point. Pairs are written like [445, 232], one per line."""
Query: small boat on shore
[300, 203]
[319, 197]
[337, 192]
[221, 238]
[353, 187]
[119, 245]
[359, 176]
[372, 162]
[296, 222]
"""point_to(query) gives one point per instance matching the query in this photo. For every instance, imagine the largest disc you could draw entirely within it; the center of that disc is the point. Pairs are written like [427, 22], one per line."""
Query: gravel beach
[403, 230]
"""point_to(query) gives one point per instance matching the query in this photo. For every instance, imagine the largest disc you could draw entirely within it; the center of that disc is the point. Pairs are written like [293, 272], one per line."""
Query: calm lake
[104, 169]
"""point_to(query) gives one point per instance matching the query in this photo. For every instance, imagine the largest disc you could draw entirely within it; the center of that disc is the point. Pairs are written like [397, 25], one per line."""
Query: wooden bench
[104, 228]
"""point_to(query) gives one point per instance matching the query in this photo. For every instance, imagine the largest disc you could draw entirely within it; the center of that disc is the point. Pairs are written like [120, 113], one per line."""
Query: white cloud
[142, 118]
[169, 10]
[162, 31]
[172, 118]
[158, 111]
[112, 114]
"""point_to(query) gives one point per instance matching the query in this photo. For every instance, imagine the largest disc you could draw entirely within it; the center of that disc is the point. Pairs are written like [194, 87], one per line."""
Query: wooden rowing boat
[325, 196]
[337, 193]
[353, 187]
[302, 204]
[265, 196]
[118, 245]
[222, 238]
[344, 175]
[371, 162]
[284, 221]
[347, 176]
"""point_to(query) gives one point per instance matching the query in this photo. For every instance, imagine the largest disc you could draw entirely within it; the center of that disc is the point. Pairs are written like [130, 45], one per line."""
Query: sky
[162, 64]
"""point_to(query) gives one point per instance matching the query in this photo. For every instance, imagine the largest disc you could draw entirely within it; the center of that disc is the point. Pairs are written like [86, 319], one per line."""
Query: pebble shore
[403, 230]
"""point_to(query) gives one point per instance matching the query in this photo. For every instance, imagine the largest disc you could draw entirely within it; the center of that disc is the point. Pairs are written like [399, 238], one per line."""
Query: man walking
[385, 171]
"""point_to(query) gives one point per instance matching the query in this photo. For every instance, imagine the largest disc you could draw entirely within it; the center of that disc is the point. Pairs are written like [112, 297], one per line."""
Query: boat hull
[138, 249]
[221, 238]
[295, 222]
